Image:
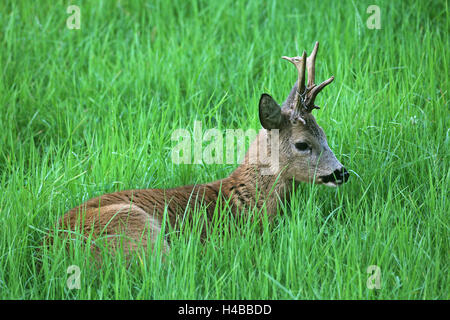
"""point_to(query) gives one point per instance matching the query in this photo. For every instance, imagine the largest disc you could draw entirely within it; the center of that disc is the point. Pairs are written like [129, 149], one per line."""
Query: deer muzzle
[339, 176]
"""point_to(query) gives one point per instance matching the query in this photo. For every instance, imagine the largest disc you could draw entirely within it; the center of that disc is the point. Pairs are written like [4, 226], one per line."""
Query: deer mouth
[332, 184]
[338, 177]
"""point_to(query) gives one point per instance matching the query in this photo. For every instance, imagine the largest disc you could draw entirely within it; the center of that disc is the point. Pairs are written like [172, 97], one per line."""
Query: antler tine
[315, 91]
[311, 65]
[303, 100]
[299, 63]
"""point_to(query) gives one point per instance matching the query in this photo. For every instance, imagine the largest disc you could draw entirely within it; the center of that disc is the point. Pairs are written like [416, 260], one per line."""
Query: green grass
[89, 111]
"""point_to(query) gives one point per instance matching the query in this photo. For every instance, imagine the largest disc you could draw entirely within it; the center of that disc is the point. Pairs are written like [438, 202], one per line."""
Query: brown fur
[137, 215]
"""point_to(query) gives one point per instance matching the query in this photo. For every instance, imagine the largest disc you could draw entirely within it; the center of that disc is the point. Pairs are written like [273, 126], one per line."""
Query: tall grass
[89, 111]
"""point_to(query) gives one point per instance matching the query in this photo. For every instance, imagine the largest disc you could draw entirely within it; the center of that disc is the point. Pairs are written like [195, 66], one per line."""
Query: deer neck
[255, 182]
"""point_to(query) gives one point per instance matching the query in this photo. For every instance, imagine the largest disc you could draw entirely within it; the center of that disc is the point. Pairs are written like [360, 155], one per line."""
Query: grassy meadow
[89, 111]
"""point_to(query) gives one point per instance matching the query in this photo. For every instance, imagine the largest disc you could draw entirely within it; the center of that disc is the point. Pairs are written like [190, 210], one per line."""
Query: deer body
[138, 214]
[303, 155]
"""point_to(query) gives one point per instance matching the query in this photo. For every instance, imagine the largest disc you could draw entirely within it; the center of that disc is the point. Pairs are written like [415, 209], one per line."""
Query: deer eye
[302, 146]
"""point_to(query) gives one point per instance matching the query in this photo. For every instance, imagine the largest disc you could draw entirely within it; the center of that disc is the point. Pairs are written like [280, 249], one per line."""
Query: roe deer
[304, 156]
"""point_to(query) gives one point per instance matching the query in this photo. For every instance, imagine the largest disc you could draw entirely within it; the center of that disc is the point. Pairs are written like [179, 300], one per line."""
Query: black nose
[338, 176]
[344, 174]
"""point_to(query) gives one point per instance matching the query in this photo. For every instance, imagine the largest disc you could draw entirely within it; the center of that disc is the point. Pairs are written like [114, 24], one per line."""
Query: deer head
[304, 152]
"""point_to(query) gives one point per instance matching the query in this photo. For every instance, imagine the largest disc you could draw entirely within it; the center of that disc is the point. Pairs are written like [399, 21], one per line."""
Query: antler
[304, 99]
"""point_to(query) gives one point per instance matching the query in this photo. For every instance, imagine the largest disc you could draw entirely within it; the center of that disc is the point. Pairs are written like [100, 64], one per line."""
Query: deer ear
[269, 112]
